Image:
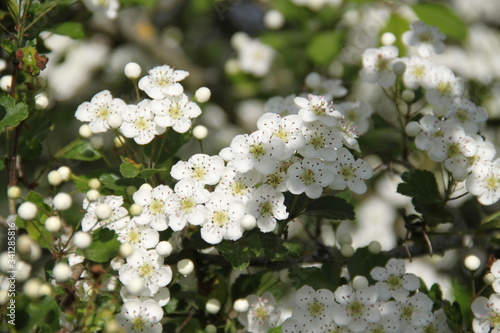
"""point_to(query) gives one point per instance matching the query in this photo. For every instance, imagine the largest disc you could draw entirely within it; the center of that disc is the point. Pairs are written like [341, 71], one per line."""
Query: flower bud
[62, 272]
[82, 240]
[125, 250]
[85, 131]
[65, 173]
[185, 266]
[344, 238]
[103, 211]
[135, 209]
[62, 201]
[347, 250]
[212, 306]
[200, 132]
[248, 222]
[472, 263]
[241, 305]
[359, 282]
[54, 177]
[164, 248]
[114, 121]
[399, 67]
[202, 95]
[94, 183]
[413, 128]
[408, 95]
[53, 224]
[27, 210]
[132, 70]
[374, 247]
[274, 19]
[14, 192]
[93, 195]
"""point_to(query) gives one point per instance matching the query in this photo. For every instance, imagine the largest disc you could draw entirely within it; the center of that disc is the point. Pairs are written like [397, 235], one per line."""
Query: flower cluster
[487, 310]
[169, 107]
[393, 304]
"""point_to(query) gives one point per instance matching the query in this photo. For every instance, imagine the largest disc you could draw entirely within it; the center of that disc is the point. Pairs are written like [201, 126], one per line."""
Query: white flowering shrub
[249, 166]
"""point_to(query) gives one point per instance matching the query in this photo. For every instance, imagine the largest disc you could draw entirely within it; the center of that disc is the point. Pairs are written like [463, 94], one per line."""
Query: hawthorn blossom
[321, 141]
[138, 235]
[162, 297]
[262, 314]
[281, 105]
[288, 129]
[317, 108]
[202, 168]
[138, 123]
[117, 220]
[309, 176]
[313, 308]
[350, 173]
[267, 206]
[238, 185]
[414, 310]
[495, 270]
[357, 114]
[417, 72]
[137, 316]
[427, 39]
[484, 182]
[148, 266]
[97, 111]
[223, 219]
[466, 114]
[254, 57]
[442, 86]
[393, 281]
[108, 7]
[278, 178]
[152, 200]
[175, 112]
[163, 81]
[356, 308]
[377, 65]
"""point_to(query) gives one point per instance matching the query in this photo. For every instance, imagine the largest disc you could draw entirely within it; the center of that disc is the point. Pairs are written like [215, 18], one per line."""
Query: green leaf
[421, 185]
[104, 246]
[15, 113]
[331, 207]
[129, 170]
[294, 250]
[70, 29]
[240, 252]
[442, 17]
[9, 46]
[141, 3]
[112, 182]
[397, 25]
[43, 313]
[173, 142]
[363, 261]
[80, 150]
[148, 173]
[32, 137]
[325, 46]
[328, 276]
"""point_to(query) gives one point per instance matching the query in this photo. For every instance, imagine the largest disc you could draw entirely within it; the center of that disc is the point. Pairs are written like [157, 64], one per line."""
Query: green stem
[39, 17]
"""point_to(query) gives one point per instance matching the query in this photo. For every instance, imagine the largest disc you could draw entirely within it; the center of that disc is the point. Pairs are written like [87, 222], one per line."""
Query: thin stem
[39, 17]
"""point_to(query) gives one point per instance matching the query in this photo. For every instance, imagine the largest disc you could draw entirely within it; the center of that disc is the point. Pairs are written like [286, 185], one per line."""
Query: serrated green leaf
[14, 112]
[421, 185]
[442, 17]
[104, 247]
[294, 250]
[148, 173]
[80, 150]
[331, 207]
[240, 252]
[128, 170]
[325, 46]
[71, 29]
[33, 136]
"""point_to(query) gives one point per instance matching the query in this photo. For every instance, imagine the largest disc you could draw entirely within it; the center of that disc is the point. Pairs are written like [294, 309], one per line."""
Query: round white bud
[135, 209]
[145, 187]
[41, 101]
[202, 94]
[23, 243]
[440, 110]
[92, 195]
[408, 95]
[212, 306]
[5, 82]
[103, 211]
[82, 240]
[114, 121]
[489, 278]
[359, 282]
[374, 247]
[61, 272]
[388, 38]
[185, 266]
[164, 248]
[413, 128]
[35, 252]
[94, 183]
[241, 305]
[27, 210]
[274, 19]
[344, 238]
[53, 224]
[125, 250]
[347, 250]
[54, 177]
[44, 289]
[96, 142]
[248, 222]
[132, 70]
[62, 201]
[200, 132]
[313, 80]
[399, 67]
[31, 288]
[65, 173]
[112, 326]
[210, 329]
[135, 285]
[472, 263]
[85, 131]
[460, 174]
[14, 192]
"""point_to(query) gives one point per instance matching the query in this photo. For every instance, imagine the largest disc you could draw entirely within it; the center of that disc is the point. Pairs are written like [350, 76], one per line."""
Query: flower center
[347, 172]
[274, 179]
[133, 237]
[238, 188]
[418, 71]
[220, 218]
[407, 312]
[163, 79]
[175, 112]
[260, 311]
[141, 123]
[257, 150]
[307, 177]
[282, 134]
[316, 308]
[266, 208]
[317, 142]
[199, 172]
[453, 149]
[444, 88]
[138, 324]
[355, 309]
[187, 204]
[425, 37]
[492, 183]
[146, 270]
[103, 112]
[462, 115]
[382, 63]
[156, 207]
[394, 282]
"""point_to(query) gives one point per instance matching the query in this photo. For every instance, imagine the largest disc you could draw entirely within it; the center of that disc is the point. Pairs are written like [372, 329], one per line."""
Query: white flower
[435, 323]
[162, 297]
[349, 172]
[484, 182]
[267, 206]
[154, 210]
[281, 105]
[202, 168]
[321, 141]
[148, 266]
[97, 111]
[262, 314]
[109, 7]
[356, 308]
[485, 153]
[137, 316]
[238, 185]
[138, 235]
[393, 281]
[486, 312]
[417, 71]
[431, 128]
[466, 114]
[357, 113]
[427, 39]
[278, 178]
[329, 88]
[495, 270]
[414, 310]
[349, 134]
[260, 150]
[317, 108]
[162, 82]
[117, 220]
[288, 129]
[377, 65]
[175, 112]
[313, 308]
[185, 204]
[443, 86]
[138, 123]
[309, 176]
[223, 219]
[254, 57]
